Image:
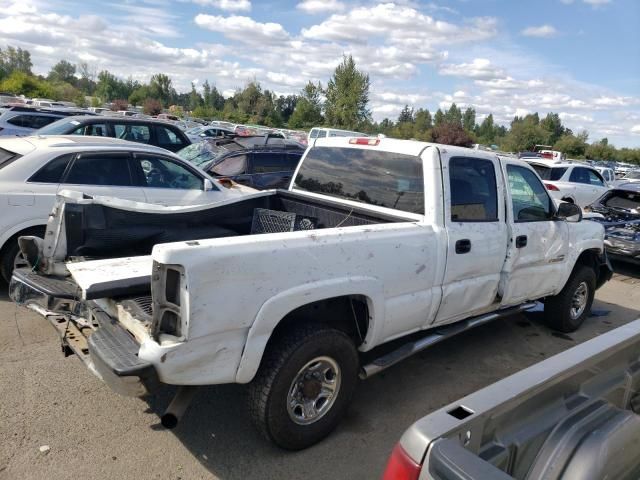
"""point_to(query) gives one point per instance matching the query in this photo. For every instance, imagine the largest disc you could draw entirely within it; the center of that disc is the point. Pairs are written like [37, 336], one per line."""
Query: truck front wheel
[569, 309]
[304, 386]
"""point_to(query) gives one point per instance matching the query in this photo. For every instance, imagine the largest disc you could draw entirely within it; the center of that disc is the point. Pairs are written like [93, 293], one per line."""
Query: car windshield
[195, 131]
[205, 152]
[623, 199]
[59, 127]
[549, 173]
[633, 175]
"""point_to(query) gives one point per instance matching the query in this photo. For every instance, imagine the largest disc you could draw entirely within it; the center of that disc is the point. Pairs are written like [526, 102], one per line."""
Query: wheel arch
[294, 306]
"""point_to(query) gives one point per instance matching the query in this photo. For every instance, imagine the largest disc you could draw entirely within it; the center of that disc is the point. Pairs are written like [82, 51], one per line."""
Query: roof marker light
[364, 141]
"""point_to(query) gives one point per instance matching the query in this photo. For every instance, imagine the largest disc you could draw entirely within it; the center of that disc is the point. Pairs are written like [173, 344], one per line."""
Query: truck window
[529, 199]
[369, 176]
[474, 196]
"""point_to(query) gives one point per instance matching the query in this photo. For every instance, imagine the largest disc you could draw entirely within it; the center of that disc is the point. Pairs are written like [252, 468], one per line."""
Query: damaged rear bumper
[103, 345]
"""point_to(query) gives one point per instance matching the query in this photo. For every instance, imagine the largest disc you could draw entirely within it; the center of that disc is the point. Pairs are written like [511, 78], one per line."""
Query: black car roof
[103, 118]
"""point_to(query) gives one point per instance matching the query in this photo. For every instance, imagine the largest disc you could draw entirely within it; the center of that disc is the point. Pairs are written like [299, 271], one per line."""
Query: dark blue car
[261, 162]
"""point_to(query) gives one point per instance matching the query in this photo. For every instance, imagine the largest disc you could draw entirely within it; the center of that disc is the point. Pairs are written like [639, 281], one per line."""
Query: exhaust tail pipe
[177, 407]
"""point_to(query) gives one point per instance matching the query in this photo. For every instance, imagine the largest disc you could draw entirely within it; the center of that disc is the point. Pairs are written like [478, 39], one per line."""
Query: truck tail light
[551, 187]
[364, 141]
[401, 466]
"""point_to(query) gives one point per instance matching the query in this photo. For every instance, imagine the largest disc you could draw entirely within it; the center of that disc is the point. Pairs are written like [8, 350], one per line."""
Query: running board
[442, 333]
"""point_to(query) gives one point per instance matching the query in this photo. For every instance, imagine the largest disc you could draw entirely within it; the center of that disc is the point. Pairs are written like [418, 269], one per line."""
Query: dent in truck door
[477, 236]
[538, 247]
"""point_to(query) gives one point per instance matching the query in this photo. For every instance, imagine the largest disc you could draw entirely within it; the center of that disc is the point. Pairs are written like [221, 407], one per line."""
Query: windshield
[60, 127]
[633, 175]
[202, 153]
[623, 199]
[549, 173]
[380, 178]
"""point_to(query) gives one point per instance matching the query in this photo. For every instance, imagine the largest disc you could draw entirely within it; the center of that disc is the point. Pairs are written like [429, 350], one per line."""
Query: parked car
[196, 134]
[570, 182]
[631, 177]
[608, 174]
[320, 132]
[620, 215]
[34, 169]
[258, 162]
[148, 131]
[26, 120]
[571, 416]
[376, 240]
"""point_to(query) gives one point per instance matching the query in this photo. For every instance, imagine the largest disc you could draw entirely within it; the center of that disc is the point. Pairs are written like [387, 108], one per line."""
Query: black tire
[281, 365]
[11, 249]
[558, 309]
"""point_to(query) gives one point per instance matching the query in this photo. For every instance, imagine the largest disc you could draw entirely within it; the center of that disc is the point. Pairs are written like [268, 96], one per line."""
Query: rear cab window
[549, 173]
[474, 195]
[374, 177]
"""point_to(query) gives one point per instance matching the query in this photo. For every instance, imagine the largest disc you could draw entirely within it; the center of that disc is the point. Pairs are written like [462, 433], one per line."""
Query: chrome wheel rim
[20, 261]
[579, 300]
[314, 390]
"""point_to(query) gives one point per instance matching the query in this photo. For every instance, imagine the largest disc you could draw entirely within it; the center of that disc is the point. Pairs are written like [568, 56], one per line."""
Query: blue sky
[578, 58]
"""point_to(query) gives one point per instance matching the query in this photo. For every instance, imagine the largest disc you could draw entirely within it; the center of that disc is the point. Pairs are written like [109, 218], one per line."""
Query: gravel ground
[49, 400]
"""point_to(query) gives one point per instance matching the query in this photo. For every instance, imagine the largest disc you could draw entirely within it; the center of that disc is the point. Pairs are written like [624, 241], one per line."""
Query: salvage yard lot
[46, 399]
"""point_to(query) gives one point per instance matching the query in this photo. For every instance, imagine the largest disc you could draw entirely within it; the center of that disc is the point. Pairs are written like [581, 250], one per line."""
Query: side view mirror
[208, 185]
[569, 212]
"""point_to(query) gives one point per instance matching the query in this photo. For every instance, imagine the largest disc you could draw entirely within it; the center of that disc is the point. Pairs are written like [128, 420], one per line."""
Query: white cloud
[243, 29]
[227, 5]
[543, 31]
[399, 24]
[320, 6]
[479, 68]
[635, 129]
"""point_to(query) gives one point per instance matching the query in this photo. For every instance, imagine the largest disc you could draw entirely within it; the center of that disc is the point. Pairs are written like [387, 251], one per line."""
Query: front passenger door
[538, 244]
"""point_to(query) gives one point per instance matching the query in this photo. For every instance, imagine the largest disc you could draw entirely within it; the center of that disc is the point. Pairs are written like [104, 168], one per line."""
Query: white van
[320, 132]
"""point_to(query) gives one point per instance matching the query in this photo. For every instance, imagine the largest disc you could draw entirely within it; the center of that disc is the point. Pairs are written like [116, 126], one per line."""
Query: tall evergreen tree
[347, 96]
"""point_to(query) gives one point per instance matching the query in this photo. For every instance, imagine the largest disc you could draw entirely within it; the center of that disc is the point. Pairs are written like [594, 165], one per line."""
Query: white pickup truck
[379, 249]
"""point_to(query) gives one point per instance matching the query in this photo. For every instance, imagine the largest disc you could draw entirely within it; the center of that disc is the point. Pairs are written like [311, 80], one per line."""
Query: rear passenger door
[165, 137]
[101, 173]
[272, 169]
[538, 244]
[132, 132]
[477, 235]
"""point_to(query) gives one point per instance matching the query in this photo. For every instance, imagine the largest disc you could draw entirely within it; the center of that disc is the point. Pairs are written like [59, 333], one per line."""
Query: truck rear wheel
[304, 386]
[566, 311]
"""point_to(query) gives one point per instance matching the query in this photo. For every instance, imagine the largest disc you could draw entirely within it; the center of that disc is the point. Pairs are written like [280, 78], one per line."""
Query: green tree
[14, 59]
[469, 119]
[308, 110]
[601, 150]
[486, 131]
[161, 87]
[573, 146]
[195, 100]
[438, 118]
[552, 124]
[453, 115]
[107, 86]
[347, 96]
[406, 115]
[62, 71]
[525, 134]
[139, 95]
[19, 82]
[423, 121]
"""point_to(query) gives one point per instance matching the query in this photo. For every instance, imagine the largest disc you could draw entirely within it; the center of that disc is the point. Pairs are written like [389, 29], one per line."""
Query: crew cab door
[477, 235]
[538, 244]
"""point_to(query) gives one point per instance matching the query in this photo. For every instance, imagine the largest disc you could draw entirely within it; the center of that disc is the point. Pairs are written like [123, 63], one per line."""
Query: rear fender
[277, 308]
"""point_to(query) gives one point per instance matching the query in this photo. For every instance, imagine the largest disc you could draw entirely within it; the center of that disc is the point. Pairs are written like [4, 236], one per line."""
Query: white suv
[570, 182]
[34, 169]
